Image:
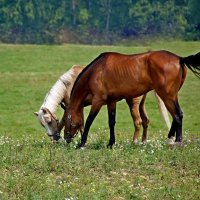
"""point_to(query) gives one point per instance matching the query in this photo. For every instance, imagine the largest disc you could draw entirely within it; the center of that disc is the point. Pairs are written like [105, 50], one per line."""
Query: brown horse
[113, 76]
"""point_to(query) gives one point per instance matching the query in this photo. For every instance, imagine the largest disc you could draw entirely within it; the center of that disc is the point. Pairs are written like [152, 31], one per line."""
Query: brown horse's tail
[193, 63]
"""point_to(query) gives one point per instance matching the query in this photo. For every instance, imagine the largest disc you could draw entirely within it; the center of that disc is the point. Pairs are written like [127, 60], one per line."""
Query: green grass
[33, 168]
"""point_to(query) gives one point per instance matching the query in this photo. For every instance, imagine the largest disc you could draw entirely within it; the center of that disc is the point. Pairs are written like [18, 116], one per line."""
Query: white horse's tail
[163, 111]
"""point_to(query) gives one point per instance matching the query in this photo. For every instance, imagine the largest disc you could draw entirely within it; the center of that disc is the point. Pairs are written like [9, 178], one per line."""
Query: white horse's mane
[55, 96]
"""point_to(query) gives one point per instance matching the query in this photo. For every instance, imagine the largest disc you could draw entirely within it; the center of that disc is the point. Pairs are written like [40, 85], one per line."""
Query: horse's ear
[36, 113]
[44, 110]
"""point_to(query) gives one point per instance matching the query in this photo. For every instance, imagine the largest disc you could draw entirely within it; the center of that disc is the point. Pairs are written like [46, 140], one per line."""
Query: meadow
[31, 167]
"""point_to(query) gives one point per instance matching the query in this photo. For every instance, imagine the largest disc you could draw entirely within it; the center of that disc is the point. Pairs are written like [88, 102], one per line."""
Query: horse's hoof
[144, 142]
[109, 146]
[135, 141]
[55, 141]
[179, 144]
[80, 145]
[68, 140]
[56, 137]
[170, 141]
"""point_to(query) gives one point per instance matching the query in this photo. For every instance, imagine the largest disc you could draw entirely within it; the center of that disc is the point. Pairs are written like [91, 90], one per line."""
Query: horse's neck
[55, 96]
[78, 96]
[60, 89]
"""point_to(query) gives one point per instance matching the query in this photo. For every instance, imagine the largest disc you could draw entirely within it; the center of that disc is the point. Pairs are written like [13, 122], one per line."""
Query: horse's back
[163, 59]
[121, 75]
[132, 75]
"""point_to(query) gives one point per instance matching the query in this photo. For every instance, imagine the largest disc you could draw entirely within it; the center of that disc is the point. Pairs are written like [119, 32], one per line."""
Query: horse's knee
[137, 124]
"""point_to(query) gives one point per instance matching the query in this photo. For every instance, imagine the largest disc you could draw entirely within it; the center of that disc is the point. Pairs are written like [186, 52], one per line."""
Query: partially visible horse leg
[61, 124]
[145, 119]
[93, 113]
[178, 119]
[177, 115]
[111, 121]
[62, 121]
[134, 110]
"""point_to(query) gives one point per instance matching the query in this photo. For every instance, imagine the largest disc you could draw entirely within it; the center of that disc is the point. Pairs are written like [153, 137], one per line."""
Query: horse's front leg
[111, 121]
[93, 113]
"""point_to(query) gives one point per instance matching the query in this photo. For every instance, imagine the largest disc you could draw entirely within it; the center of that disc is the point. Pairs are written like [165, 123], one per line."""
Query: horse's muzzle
[56, 137]
[68, 138]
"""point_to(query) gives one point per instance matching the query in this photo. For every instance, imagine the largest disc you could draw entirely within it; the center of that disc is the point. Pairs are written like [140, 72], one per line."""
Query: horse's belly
[128, 91]
[123, 85]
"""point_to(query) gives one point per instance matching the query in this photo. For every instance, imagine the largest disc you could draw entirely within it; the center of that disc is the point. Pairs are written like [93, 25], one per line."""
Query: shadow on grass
[97, 145]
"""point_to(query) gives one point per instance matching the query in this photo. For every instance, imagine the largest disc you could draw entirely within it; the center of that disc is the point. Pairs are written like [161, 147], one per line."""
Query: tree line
[97, 21]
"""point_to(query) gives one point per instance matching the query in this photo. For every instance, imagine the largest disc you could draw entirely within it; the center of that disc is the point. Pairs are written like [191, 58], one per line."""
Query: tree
[96, 21]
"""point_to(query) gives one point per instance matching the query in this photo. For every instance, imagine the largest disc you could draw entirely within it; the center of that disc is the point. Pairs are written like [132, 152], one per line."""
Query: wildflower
[4, 140]
[69, 198]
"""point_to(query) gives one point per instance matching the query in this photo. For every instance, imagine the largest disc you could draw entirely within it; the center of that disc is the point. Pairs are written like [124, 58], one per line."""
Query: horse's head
[49, 121]
[72, 125]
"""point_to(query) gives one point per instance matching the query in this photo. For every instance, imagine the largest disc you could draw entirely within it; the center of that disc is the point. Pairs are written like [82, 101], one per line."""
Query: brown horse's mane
[85, 69]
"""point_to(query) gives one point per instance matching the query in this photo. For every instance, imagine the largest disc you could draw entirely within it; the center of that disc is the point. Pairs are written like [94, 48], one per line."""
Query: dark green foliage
[102, 21]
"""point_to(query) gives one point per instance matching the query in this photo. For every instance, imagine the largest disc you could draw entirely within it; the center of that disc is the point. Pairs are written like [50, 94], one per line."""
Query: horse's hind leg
[177, 115]
[134, 110]
[145, 119]
[178, 119]
[111, 121]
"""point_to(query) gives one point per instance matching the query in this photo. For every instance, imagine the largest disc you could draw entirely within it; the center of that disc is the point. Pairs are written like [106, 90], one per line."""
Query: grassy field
[33, 168]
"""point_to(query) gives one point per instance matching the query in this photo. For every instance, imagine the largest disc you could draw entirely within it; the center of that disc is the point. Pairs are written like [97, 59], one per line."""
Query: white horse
[60, 94]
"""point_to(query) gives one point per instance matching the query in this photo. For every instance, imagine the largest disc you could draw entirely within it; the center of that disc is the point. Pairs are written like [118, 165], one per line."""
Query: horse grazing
[60, 95]
[114, 76]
